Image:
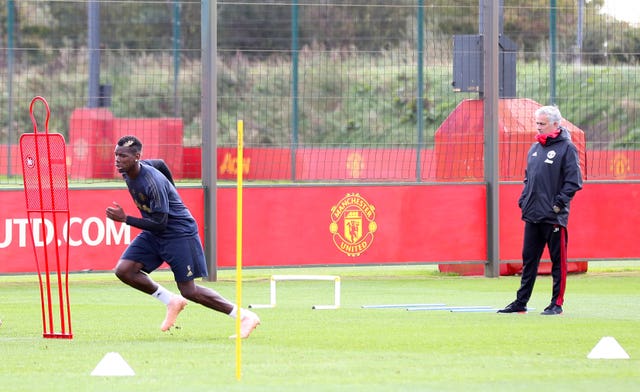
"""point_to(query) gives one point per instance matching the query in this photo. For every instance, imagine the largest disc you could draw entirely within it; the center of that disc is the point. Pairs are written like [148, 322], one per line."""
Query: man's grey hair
[551, 112]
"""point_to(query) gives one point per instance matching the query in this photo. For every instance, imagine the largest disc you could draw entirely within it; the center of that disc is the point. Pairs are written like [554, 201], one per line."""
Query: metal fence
[328, 91]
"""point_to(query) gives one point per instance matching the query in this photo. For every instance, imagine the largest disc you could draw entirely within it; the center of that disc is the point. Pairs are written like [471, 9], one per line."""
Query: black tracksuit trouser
[536, 237]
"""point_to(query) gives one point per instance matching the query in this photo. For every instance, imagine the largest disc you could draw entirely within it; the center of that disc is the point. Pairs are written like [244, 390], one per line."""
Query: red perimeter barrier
[273, 163]
[459, 143]
[307, 225]
[161, 138]
[314, 164]
[93, 134]
[91, 143]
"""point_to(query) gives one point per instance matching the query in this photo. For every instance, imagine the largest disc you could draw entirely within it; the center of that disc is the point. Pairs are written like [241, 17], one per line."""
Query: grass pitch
[349, 349]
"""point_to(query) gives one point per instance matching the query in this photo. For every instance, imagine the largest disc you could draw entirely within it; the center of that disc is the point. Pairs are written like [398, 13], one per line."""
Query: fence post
[420, 92]
[209, 132]
[10, 54]
[294, 86]
[552, 39]
[490, 97]
[93, 22]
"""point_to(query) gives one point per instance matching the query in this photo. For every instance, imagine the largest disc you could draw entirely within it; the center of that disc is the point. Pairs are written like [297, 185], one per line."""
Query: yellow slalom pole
[240, 160]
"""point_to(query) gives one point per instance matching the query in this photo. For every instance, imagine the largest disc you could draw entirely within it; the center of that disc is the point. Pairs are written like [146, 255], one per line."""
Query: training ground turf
[349, 349]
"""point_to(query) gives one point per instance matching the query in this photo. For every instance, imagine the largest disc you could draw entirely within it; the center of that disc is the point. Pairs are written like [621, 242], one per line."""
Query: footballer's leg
[132, 274]
[187, 262]
[213, 300]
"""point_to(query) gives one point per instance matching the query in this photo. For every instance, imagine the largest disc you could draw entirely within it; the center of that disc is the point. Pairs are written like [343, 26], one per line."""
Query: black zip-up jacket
[552, 178]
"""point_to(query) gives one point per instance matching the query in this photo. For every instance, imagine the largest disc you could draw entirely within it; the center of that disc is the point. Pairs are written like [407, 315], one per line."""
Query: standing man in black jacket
[552, 178]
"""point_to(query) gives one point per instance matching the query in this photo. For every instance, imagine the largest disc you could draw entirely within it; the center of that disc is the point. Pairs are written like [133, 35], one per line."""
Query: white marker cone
[608, 348]
[113, 365]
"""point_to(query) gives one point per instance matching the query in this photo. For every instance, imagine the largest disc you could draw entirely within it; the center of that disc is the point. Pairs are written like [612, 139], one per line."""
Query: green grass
[349, 349]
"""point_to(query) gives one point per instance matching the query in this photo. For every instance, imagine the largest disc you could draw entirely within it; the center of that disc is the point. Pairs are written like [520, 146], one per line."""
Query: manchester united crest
[30, 162]
[353, 224]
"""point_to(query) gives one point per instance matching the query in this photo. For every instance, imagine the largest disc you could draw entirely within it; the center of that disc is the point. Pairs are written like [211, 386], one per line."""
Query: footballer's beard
[123, 169]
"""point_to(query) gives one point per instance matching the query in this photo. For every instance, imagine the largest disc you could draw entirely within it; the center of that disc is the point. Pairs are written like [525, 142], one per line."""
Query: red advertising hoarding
[95, 242]
[340, 225]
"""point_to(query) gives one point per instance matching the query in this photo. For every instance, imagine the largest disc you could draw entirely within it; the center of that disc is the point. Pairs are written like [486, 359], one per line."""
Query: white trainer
[174, 307]
[248, 323]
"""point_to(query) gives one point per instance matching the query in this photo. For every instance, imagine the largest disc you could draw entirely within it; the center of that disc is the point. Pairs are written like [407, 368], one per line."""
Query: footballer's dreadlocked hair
[130, 141]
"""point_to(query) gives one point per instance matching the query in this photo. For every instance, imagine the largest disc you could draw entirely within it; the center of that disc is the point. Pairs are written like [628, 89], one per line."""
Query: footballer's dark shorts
[184, 255]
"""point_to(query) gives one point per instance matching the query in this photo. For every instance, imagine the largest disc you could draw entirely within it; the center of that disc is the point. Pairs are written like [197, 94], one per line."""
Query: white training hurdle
[278, 278]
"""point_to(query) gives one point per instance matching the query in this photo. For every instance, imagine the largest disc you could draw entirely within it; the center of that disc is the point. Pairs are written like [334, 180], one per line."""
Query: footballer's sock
[245, 312]
[163, 295]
